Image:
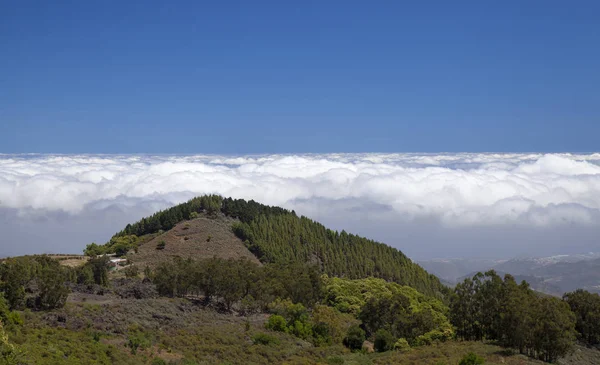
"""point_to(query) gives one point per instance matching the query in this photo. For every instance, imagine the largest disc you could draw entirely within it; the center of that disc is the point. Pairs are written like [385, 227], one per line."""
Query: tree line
[36, 282]
[487, 307]
[241, 281]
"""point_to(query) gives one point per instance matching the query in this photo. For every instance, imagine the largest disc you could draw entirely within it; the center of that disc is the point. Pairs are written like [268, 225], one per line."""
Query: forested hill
[277, 235]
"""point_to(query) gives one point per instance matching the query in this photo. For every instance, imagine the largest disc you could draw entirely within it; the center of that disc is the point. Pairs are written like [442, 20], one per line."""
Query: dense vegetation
[395, 311]
[277, 235]
[238, 281]
[322, 292]
[307, 305]
[36, 282]
[489, 308]
[327, 312]
[586, 307]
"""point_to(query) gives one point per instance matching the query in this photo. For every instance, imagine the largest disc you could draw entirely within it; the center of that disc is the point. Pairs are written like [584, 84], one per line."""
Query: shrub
[137, 339]
[337, 323]
[402, 345]
[131, 271]
[121, 249]
[335, 360]
[208, 238]
[147, 272]
[301, 329]
[384, 340]
[161, 245]
[4, 309]
[9, 353]
[53, 292]
[158, 361]
[433, 336]
[276, 323]
[354, 337]
[264, 339]
[321, 334]
[471, 359]
[292, 312]
[193, 215]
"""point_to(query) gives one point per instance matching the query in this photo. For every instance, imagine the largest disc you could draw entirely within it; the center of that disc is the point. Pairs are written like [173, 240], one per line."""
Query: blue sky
[310, 76]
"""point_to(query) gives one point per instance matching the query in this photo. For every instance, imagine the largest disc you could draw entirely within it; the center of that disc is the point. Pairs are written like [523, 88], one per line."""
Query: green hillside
[277, 235]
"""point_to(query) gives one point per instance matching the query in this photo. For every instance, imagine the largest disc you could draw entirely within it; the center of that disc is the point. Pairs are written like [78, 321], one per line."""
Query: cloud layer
[454, 191]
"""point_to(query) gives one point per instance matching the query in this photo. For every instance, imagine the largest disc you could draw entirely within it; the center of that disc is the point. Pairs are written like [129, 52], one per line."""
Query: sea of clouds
[428, 205]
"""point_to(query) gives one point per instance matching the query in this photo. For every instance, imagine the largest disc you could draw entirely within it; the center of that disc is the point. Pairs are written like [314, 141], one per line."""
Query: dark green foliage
[52, 289]
[336, 324]
[296, 317]
[248, 211]
[355, 337]
[121, 249]
[4, 309]
[264, 339]
[276, 323]
[383, 305]
[9, 353]
[402, 345]
[167, 219]
[42, 276]
[93, 250]
[402, 317]
[586, 307]
[322, 334]
[158, 361]
[15, 274]
[233, 281]
[471, 359]
[84, 275]
[161, 245]
[7, 317]
[98, 267]
[119, 245]
[137, 339]
[286, 238]
[384, 340]
[489, 308]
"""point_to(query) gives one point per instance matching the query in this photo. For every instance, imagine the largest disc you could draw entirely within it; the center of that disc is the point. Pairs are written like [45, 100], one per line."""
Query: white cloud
[421, 203]
[457, 189]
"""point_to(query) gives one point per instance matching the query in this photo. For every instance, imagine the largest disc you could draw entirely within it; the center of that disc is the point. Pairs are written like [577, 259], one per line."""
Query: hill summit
[210, 225]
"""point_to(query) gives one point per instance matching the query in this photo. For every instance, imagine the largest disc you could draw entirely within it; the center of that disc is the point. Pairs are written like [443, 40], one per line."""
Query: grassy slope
[178, 329]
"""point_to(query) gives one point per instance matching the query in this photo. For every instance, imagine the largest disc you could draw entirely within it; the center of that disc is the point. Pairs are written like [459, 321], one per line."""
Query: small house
[115, 263]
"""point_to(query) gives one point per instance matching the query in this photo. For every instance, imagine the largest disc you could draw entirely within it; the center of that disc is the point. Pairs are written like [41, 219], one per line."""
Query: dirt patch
[200, 238]
[75, 262]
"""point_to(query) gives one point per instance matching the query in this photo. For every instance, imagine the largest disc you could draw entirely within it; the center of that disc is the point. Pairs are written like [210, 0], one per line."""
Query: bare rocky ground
[199, 238]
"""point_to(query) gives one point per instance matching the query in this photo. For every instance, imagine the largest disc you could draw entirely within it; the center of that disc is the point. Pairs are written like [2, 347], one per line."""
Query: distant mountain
[450, 270]
[536, 283]
[553, 275]
[534, 265]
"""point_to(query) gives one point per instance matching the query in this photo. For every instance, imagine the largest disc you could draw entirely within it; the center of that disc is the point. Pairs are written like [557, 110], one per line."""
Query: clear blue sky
[299, 76]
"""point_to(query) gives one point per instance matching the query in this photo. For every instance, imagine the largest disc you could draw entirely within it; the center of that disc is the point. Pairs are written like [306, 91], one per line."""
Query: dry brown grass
[190, 239]
[74, 262]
